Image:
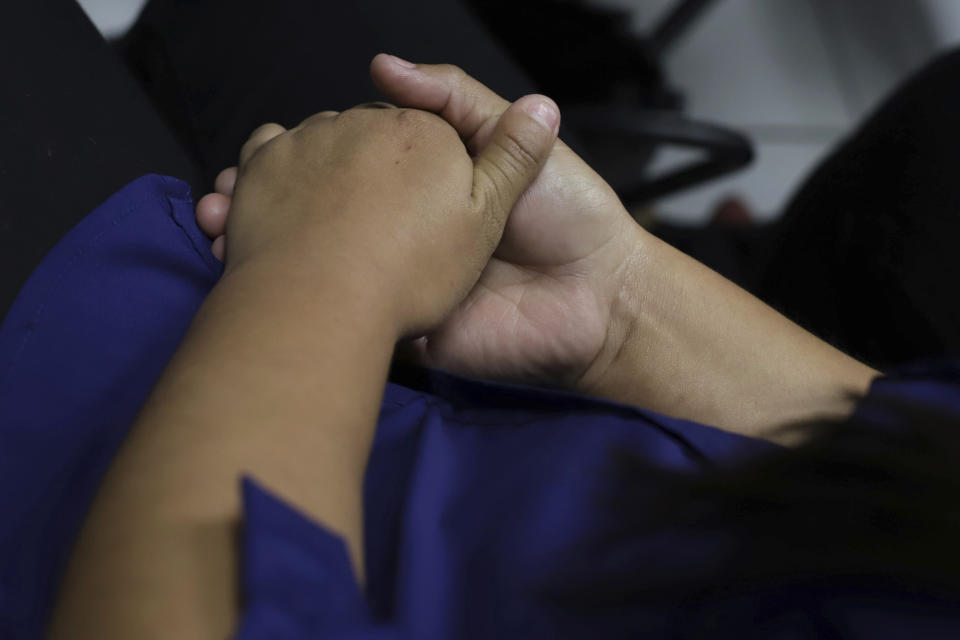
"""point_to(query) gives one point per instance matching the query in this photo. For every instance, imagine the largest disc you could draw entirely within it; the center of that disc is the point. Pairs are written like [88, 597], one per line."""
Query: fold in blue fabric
[474, 491]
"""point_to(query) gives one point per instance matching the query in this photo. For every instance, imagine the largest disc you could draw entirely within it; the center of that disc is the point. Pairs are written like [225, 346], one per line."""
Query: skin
[282, 371]
[346, 234]
[541, 308]
[579, 296]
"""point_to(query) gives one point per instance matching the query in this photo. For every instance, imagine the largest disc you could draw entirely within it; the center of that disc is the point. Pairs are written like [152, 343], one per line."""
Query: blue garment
[474, 490]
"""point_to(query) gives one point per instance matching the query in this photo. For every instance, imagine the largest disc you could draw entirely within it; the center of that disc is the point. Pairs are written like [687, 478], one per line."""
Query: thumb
[511, 161]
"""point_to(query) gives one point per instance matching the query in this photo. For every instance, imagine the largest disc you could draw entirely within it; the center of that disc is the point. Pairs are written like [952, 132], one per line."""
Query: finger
[226, 181]
[219, 247]
[260, 136]
[444, 89]
[521, 142]
[212, 212]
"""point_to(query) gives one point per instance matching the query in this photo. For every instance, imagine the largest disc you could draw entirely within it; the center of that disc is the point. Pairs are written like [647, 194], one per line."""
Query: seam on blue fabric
[588, 405]
[169, 195]
[678, 438]
[544, 395]
[626, 412]
[35, 321]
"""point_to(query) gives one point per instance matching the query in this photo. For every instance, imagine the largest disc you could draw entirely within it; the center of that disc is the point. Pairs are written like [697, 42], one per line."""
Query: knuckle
[413, 119]
[317, 118]
[350, 114]
[261, 136]
[260, 156]
[509, 164]
[452, 72]
[500, 174]
[269, 128]
[492, 203]
[416, 124]
[520, 149]
[246, 152]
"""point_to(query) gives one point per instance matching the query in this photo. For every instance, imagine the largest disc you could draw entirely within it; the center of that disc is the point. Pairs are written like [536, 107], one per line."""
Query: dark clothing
[863, 255]
[860, 257]
[75, 128]
[77, 125]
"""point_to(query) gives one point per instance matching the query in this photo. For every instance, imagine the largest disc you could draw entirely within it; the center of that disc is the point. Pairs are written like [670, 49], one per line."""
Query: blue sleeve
[297, 578]
[80, 350]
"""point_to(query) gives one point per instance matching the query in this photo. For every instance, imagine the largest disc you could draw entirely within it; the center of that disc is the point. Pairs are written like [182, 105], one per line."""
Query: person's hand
[579, 290]
[543, 307]
[386, 201]
[345, 233]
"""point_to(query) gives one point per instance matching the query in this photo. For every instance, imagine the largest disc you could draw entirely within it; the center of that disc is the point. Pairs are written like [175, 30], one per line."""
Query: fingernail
[403, 63]
[544, 111]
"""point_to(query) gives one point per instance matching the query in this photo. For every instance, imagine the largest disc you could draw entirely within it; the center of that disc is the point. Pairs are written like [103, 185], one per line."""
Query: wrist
[686, 342]
[277, 377]
[632, 253]
[315, 291]
[283, 333]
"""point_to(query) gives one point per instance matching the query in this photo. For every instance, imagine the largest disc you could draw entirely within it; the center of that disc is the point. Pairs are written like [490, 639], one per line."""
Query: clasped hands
[494, 248]
[460, 227]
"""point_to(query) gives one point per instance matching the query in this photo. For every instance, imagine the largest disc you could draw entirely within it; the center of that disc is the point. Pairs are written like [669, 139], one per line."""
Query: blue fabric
[474, 490]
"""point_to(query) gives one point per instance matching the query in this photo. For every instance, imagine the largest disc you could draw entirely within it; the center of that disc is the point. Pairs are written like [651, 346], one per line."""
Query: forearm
[275, 378]
[689, 343]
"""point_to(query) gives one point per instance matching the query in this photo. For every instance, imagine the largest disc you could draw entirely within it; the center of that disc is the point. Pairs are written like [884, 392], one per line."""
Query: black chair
[612, 91]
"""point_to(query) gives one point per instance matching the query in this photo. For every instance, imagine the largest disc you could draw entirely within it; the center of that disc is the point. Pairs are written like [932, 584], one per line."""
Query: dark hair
[863, 504]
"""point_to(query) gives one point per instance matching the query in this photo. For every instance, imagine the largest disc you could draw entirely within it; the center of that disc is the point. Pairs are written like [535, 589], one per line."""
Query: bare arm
[687, 342]
[276, 377]
[345, 233]
[615, 311]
